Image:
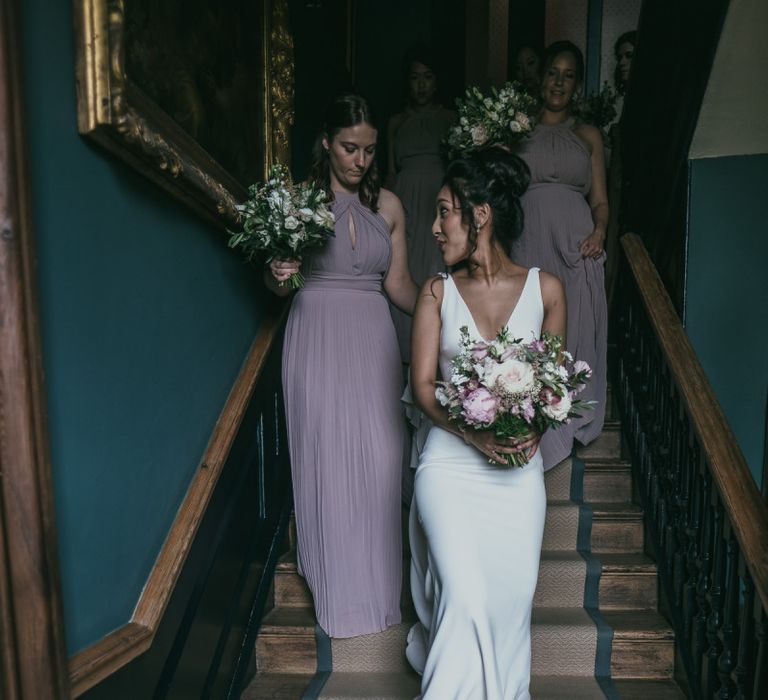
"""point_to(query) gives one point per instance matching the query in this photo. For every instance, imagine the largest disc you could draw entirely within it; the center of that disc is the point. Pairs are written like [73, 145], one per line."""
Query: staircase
[595, 608]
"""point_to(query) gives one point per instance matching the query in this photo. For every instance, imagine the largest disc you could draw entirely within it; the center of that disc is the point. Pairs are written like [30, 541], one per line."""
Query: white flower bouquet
[513, 387]
[502, 116]
[283, 219]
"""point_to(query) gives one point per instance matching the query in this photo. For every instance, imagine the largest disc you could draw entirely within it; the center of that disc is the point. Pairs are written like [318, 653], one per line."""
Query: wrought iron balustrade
[708, 523]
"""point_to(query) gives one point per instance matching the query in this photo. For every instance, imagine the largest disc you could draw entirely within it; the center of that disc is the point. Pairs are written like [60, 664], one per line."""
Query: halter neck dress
[342, 383]
[557, 218]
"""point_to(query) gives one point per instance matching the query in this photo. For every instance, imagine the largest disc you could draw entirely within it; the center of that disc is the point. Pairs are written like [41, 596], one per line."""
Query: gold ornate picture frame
[198, 97]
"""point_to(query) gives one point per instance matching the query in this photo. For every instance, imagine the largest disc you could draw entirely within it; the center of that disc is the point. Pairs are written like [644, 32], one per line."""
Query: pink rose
[479, 351]
[480, 406]
[556, 407]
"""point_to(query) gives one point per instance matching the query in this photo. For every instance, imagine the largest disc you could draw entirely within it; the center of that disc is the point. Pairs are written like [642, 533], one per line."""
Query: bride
[476, 524]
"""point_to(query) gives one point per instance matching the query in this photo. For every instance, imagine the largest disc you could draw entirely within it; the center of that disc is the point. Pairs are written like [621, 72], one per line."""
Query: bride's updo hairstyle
[495, 177]
[345, 110]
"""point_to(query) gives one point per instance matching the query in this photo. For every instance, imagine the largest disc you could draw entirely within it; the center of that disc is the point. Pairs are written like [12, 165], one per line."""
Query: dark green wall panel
[727, 289]
[146, 319]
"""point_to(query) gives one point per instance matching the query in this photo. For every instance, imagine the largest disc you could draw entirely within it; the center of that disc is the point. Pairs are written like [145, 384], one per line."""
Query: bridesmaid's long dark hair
[346, 110]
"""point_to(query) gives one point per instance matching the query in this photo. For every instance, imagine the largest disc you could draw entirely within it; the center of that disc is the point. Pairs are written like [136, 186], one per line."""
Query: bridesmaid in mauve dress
[566, 215]
[342, 385]
[416, 170]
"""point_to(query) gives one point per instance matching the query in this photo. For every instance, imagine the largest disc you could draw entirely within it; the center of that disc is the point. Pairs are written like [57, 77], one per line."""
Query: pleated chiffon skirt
[342, 382]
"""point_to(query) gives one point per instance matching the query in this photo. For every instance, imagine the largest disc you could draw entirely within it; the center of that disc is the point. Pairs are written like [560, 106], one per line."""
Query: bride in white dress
[476, 524]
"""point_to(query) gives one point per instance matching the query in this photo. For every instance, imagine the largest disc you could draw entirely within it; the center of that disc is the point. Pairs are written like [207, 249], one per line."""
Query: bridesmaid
[342, 383]
[415, 168]
[566, 214]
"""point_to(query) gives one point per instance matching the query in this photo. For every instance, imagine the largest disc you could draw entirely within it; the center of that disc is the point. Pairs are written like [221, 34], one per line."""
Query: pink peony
[480, 406]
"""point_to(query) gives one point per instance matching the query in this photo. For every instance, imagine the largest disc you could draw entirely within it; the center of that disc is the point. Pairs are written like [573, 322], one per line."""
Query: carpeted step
[277, 686]
[604, 480]
[383, 652]
[566, 634]
[371, 686]
[562, 576]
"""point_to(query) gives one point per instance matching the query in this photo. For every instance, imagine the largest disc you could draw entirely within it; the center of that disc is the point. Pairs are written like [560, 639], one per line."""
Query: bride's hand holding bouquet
[504, 394]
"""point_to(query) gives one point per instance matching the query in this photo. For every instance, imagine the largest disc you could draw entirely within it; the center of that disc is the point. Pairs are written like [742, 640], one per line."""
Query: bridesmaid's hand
[495, 448]
[592, 245]
[282, 269]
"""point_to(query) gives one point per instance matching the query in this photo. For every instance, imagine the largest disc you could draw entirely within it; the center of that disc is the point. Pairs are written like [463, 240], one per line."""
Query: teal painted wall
[146, 319]
[727, 289]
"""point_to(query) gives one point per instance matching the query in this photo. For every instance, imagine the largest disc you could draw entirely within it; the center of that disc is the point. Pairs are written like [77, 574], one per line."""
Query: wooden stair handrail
[741, 498]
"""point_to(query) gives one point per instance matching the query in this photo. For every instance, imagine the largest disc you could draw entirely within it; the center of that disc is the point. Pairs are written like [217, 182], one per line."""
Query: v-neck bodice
[524, 321]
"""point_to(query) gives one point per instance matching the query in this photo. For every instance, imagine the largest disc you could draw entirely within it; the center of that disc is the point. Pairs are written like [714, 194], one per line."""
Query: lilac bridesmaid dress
[342, 383]
[557, 219]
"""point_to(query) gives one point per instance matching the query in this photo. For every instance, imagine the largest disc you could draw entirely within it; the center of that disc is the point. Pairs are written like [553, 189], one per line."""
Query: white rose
[479, 135]
[515, 127]
[512, 376]
[305, 214]
[523, 120]
[488, 102]
[558, 411]
[291, 223]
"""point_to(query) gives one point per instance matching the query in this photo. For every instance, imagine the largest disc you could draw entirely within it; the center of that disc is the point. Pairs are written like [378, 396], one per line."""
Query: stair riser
[617, 536]
[629, 658]
[628, 592]
[642, 659]
[286, 653]
[291, 591]
[608, 487]
[606, 446]
[633, 591]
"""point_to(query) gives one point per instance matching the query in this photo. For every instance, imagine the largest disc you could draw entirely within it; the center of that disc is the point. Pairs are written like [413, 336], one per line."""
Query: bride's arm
[425, 353]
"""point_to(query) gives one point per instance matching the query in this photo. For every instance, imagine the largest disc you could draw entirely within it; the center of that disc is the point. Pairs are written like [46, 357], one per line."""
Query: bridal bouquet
[502, 116]
[283, 219]
[513, 387]
[598, 109]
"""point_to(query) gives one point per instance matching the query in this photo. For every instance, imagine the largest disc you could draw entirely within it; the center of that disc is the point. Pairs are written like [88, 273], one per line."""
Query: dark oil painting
[200, 62]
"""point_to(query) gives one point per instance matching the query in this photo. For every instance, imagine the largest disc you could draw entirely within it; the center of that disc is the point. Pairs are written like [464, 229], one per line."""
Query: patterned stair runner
[595, 629]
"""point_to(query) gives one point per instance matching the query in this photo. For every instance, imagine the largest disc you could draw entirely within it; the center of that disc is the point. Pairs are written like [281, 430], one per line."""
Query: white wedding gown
[476, 532]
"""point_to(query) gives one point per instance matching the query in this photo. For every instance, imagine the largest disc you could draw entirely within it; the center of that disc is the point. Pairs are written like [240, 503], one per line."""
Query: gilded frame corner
[115, 113]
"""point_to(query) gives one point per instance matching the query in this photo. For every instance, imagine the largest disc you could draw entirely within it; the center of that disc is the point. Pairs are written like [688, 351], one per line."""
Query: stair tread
[641, 689]
[289, 686]
[289, 620]
[277, 686]
[606, 464]
[620, 562]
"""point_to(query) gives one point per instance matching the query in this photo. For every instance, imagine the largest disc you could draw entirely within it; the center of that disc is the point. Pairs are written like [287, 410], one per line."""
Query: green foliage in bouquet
[283, 219]
[498, 117]
[598, 109]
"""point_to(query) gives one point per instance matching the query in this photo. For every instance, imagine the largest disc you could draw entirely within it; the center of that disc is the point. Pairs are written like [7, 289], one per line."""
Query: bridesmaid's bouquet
[283, 219]
[513, 387]
[499, 117]
[598, 109]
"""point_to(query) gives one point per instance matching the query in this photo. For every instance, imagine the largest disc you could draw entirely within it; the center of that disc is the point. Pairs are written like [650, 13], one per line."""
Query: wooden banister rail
[741, 497]
[705, 513]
